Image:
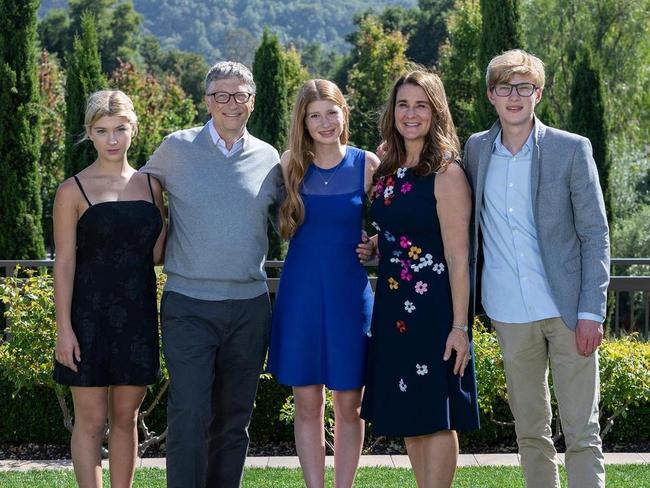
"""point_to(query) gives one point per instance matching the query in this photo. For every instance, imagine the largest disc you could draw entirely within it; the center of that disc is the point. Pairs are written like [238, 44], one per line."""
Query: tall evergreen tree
[458, 66]
[500, 32]
[21, 235]
[84, 76]
[270, 119]
[588, 118]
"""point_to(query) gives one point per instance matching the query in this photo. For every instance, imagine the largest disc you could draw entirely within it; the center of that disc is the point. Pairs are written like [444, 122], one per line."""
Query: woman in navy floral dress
[420, 376]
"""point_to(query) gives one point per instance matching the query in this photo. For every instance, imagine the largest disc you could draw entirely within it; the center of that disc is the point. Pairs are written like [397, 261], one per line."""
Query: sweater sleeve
[159, 162]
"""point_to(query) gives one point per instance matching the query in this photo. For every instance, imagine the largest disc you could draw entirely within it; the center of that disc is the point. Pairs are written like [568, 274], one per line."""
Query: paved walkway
[292, 461]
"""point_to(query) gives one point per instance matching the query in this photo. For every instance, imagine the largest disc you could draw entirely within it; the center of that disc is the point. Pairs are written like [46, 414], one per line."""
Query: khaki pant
[526, 350]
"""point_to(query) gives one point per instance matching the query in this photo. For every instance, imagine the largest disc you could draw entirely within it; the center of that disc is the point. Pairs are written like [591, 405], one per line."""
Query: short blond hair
[514, 62]
[108, 103]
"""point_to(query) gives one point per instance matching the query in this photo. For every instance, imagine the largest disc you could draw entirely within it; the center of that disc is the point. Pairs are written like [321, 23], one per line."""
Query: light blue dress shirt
[514, 284]
[221, 144]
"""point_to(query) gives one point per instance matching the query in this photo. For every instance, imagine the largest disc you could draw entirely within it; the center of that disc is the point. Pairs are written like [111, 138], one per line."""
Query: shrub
[26, 355]
[29, 413]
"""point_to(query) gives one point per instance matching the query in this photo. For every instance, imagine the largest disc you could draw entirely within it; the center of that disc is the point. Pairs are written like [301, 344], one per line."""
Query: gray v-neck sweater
[218, 213]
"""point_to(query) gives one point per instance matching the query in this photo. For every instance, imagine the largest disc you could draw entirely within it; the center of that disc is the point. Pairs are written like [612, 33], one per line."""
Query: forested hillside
[226, 28]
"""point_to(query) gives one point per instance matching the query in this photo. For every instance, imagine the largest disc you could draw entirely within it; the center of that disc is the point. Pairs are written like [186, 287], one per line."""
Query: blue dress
[324, 301]
[410, 390]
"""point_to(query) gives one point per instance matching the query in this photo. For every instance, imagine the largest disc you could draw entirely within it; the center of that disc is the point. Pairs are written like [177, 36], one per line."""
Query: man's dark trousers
[215, 352]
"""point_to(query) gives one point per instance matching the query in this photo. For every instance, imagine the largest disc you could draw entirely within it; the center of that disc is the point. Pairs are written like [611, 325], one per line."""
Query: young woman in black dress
[109, 231]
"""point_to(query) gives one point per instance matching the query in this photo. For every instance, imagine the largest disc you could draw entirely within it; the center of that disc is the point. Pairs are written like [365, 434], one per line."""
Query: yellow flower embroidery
[414, 252]
[392, 283]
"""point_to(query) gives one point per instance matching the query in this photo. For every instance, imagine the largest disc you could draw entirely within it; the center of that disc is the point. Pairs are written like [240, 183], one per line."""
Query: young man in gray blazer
[540, 231]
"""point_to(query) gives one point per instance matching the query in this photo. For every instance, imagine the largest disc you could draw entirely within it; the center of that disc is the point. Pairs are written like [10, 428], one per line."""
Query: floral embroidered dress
[323, 305]
[410, 390]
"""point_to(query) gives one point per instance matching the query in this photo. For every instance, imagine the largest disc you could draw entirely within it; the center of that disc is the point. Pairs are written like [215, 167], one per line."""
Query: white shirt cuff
[590, 316]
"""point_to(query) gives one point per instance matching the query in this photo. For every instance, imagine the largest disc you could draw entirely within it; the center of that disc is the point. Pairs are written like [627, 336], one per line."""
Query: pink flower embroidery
[421, 287]
[406, 187]
[405, 275]
[404, 242]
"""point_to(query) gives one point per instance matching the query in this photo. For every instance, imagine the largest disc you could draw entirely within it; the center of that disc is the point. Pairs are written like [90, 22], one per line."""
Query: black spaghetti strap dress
[114, 313]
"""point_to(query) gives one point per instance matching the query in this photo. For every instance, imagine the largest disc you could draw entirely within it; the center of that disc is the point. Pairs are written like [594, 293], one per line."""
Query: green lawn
[618, 476]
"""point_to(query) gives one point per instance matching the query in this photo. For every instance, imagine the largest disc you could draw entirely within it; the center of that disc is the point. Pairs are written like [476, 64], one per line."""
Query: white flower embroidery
[438, 268]
[408, 306]
[426, 260]
[402, 385]
[375, 225]
[401, 172]
[395, 260]
[388, 192]
[422, 369]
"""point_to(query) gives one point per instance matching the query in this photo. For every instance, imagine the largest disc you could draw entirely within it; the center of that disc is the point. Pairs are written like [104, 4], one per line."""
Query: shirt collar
[218, 140]
[499, 148]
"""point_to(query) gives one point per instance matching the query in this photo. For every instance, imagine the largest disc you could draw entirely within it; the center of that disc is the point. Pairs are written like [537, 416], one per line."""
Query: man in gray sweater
[215, 310]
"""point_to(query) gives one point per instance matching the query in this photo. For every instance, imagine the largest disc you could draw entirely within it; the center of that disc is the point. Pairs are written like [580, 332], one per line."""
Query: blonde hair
[441, 146]
[108, 103]
[301, 145]
[514, 62]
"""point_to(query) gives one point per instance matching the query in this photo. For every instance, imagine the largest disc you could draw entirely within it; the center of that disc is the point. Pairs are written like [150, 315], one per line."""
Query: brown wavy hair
[301, 145]
[441, 146]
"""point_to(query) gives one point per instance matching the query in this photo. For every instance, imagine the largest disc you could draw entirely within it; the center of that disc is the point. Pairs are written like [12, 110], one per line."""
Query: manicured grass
[618, 476]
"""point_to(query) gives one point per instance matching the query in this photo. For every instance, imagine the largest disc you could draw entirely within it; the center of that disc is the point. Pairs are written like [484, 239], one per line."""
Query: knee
[347, 412]
[90, 423]
[124, 419]
[310, 409]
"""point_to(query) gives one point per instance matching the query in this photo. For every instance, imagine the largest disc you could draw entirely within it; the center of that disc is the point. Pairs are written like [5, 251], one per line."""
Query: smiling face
[229, 118]
[325, 121]
[515, 110]
[413, 112]
[111, 136]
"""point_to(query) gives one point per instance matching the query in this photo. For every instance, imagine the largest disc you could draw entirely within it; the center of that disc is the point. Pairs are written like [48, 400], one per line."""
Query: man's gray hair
[230, 69]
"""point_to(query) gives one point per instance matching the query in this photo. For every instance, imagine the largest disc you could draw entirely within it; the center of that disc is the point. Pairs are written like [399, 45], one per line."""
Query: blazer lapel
[539, 129]
[485, 155]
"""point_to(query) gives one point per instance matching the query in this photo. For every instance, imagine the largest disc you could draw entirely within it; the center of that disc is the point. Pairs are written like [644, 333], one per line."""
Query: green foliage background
[21, 235]
[83, 77]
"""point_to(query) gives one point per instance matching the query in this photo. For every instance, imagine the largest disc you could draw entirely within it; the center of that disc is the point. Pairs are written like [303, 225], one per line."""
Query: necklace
[320, 170]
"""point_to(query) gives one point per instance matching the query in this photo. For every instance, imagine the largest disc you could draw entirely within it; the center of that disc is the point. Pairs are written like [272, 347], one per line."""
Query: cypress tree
[500, 31]
[84, 76]
[21, 235]
[270, 119]
[587, 116]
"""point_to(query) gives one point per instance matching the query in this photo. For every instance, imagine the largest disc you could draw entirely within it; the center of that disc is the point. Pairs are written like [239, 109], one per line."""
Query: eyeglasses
[523, 89]
[224, 97]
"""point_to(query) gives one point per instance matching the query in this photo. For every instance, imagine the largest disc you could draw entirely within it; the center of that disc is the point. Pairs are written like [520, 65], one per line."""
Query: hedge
[29, 410]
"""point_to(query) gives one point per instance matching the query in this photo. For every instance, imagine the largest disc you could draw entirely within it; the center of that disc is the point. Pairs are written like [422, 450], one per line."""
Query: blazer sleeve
[590, 220]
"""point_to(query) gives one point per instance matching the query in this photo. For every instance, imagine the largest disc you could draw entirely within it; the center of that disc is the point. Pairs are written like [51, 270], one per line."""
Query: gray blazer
[569, 214]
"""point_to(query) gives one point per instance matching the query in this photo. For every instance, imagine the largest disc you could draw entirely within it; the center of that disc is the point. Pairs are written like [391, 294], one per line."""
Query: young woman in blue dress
[323, 305]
